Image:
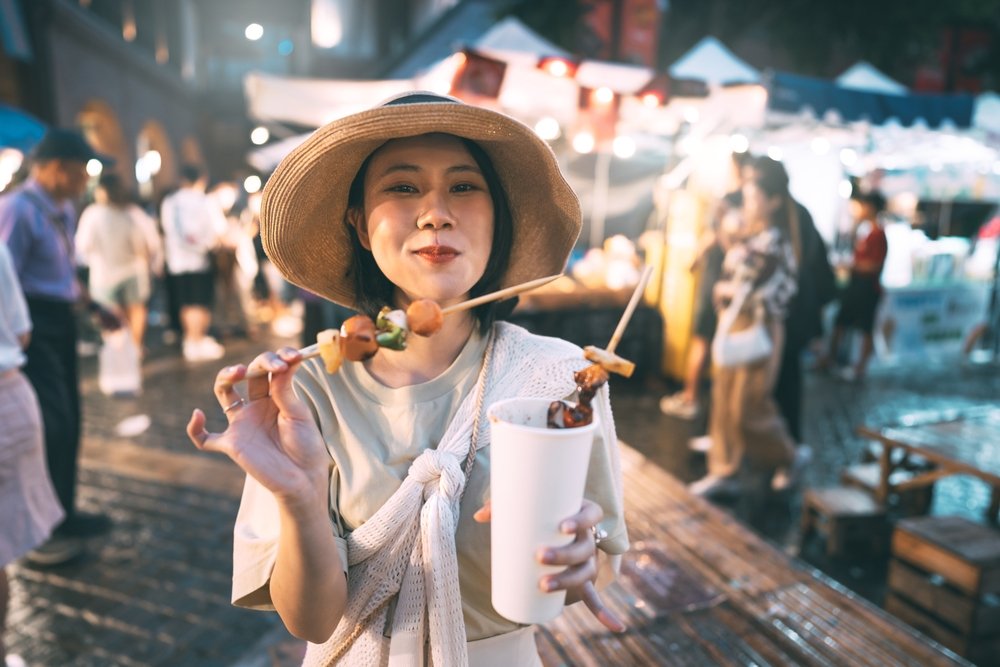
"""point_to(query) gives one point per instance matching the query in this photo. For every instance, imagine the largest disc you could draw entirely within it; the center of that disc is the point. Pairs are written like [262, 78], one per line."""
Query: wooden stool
[912, 502]
[843, 515]
[944, 578]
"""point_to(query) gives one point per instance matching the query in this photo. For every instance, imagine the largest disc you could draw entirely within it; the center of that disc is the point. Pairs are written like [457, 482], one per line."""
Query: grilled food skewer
[330, 346]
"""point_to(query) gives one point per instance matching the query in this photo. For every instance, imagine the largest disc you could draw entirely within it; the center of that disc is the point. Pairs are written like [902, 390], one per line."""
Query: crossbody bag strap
[729, 314]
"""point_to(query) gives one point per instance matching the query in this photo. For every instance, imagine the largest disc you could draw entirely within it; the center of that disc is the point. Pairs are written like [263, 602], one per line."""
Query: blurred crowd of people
[193, 265]
[764, 280]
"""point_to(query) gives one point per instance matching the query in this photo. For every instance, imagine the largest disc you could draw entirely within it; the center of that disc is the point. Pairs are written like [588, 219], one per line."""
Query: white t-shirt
[14, 317]
[373, 433]
[117, 243]
[192, 225]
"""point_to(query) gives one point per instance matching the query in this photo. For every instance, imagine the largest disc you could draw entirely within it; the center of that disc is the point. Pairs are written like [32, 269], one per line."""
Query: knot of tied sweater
[438, 471]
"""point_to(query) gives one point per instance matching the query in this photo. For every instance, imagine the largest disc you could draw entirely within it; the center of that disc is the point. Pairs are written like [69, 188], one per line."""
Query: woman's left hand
[580, 559]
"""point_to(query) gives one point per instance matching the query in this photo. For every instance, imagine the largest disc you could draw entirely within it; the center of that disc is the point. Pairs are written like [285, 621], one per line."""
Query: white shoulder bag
[740, 348]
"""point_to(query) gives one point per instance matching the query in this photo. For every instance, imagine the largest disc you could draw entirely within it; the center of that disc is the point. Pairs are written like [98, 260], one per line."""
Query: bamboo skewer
[499, 295]
[616, 337]
[311, 351]
[606, 358]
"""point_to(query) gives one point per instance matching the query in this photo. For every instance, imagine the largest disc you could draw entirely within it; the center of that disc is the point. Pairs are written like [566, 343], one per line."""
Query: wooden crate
[866, 476]
[964, 553]
[970, 616]
[944, 579]
[980, 650]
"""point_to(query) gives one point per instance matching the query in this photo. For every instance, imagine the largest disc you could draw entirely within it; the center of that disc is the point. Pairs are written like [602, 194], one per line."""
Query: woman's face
[757, 205]
[428, 217]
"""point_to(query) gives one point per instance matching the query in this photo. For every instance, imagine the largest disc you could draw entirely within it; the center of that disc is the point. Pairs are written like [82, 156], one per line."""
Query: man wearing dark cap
[37, 222]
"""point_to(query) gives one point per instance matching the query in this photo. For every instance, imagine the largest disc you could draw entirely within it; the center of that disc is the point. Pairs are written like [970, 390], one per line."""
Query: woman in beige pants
[747, 431]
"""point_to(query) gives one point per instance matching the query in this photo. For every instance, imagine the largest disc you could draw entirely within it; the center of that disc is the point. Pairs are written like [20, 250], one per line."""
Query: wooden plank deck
[699, 588]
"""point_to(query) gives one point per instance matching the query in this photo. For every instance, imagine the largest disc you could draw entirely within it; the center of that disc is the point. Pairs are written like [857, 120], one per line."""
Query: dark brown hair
[113, 185]
[770, 177]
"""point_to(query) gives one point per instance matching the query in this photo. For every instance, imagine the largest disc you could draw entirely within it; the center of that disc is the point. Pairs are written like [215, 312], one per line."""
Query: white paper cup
[537, 476]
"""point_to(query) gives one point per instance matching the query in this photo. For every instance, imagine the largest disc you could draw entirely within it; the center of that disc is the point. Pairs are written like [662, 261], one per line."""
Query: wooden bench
[915, 501]
[699, 588]
[944, 580]
[845, 516]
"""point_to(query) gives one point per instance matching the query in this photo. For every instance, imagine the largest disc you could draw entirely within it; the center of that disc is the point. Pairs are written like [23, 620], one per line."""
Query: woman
[358, 472]
[747, 432]
[120, 244]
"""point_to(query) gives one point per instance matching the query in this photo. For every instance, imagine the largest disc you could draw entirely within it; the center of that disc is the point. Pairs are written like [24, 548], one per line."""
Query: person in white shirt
[120, 244]
[192, 226]
[30, 506]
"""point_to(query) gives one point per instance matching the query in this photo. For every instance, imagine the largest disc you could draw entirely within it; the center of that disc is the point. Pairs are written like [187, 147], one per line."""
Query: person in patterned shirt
[748, 433]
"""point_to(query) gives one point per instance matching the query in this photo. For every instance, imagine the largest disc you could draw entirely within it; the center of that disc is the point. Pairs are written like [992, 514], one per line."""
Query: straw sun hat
[303, 206]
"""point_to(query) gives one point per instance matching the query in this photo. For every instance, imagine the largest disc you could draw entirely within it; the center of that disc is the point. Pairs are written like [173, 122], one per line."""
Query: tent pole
[944, 219]
[602, 185]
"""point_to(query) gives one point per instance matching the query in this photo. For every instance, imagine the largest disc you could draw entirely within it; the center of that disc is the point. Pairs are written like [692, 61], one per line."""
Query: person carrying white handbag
[758, 282]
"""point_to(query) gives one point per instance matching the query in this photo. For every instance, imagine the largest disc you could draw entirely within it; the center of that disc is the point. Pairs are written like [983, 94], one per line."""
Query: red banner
[478, 77]
[638, 26]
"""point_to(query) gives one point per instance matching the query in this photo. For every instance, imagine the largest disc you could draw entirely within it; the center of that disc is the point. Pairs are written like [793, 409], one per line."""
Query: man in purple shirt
[37, 222]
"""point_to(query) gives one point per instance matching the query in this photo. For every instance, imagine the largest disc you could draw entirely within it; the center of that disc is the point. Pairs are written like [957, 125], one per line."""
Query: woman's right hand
[272, 435]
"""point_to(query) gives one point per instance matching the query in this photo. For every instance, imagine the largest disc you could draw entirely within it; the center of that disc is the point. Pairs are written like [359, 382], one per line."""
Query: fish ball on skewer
[424, 317]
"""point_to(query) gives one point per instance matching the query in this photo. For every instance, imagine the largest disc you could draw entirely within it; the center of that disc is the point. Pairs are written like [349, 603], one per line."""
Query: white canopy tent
[512, 35]
[986, 116]
[313, 102]
[819, 150]
[865, 76]
[710, 61]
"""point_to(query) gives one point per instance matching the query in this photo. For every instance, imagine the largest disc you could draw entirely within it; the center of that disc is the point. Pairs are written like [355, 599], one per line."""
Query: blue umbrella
[19, 129]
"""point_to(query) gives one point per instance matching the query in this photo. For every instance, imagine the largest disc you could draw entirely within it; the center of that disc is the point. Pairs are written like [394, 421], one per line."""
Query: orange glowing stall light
[558, 66]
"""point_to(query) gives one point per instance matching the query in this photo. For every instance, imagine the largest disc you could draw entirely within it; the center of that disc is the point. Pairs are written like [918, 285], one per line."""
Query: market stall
[862, 130]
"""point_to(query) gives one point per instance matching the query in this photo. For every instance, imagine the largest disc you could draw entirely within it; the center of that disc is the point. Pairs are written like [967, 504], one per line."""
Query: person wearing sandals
[362, 521]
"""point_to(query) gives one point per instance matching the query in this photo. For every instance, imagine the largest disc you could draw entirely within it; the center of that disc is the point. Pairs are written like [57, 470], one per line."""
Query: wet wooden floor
[698, 588]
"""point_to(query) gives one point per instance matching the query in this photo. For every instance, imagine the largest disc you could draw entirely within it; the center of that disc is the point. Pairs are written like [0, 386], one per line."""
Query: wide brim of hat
[303, 206]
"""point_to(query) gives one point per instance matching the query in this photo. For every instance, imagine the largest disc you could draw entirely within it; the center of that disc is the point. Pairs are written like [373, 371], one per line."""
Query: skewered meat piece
[567, 415]
[424, 317]
[357, 335]
[589, 380]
